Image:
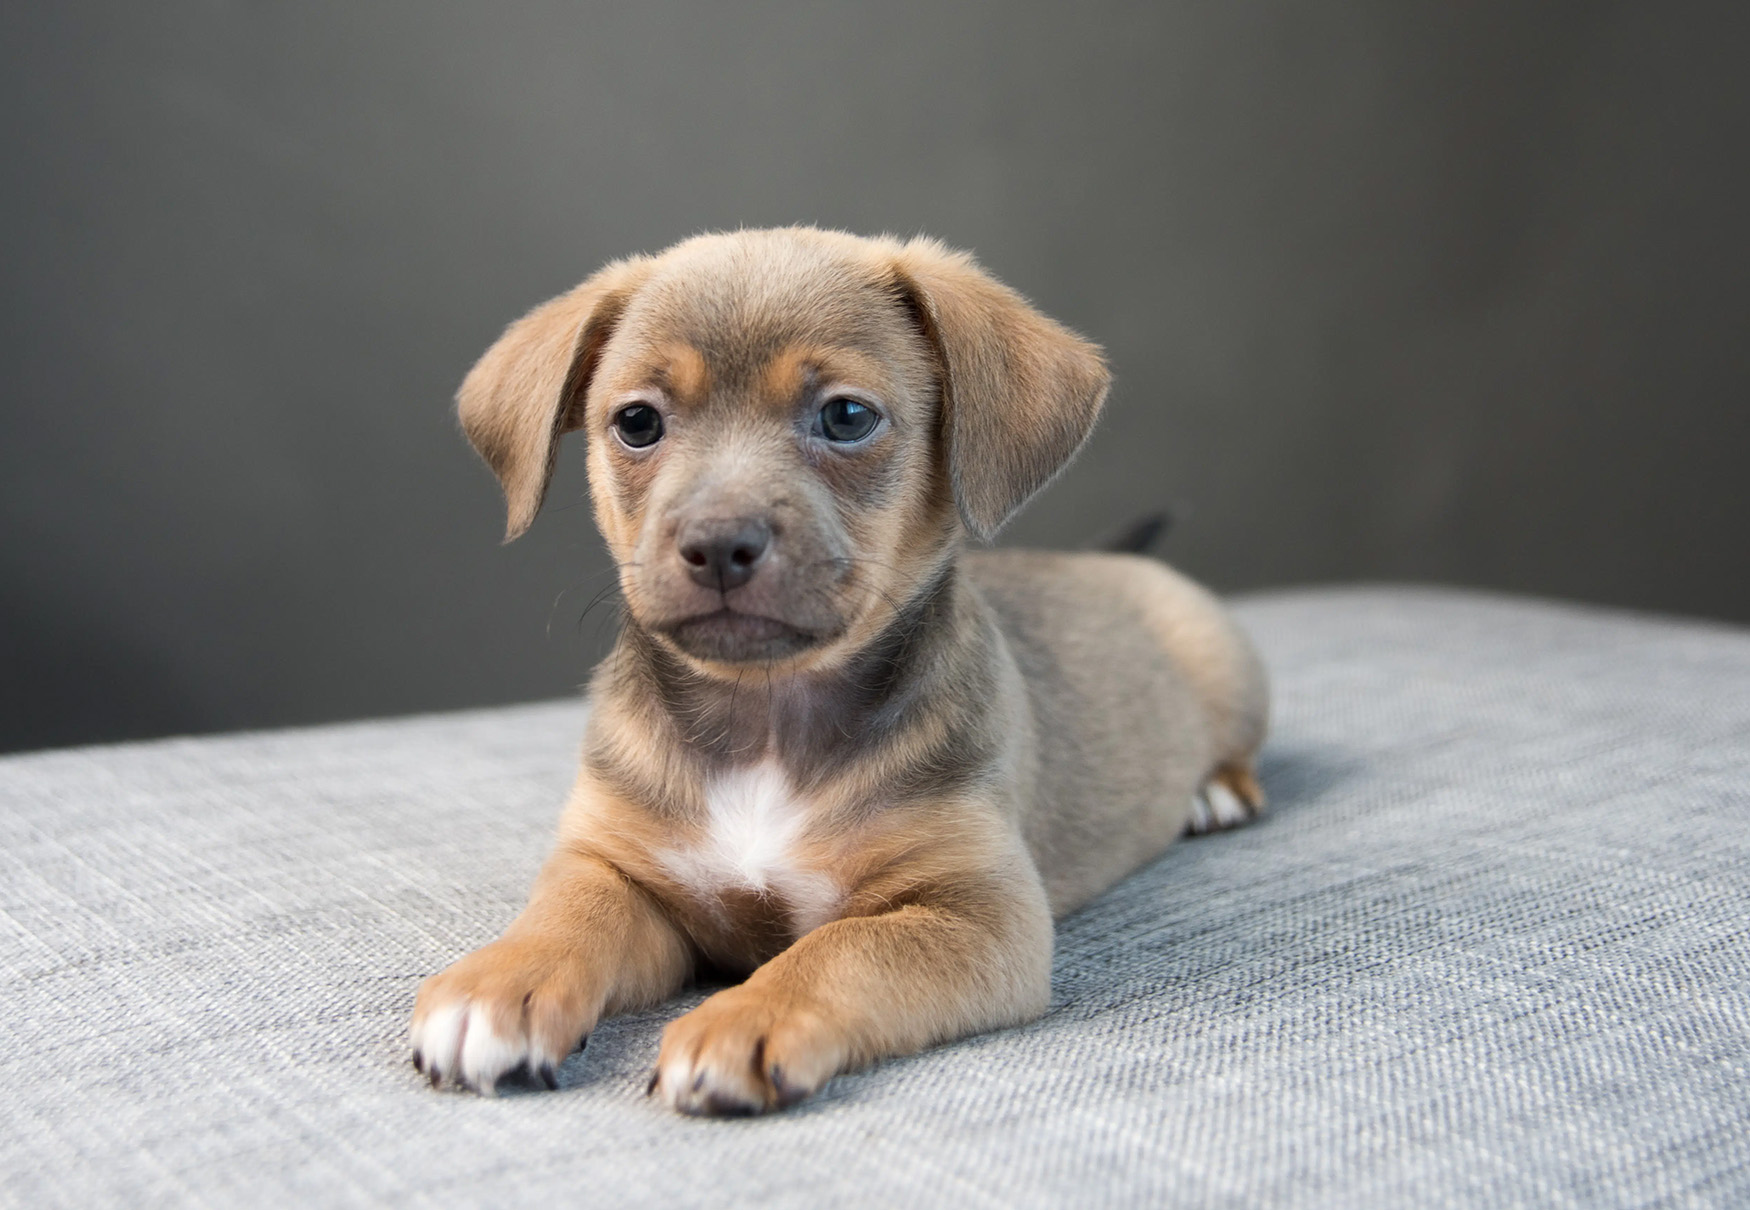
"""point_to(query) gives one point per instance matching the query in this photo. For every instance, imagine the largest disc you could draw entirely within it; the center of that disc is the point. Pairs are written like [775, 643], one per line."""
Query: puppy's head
[787, 430]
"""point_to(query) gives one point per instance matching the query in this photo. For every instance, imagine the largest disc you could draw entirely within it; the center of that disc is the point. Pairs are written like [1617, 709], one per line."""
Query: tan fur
[519, 399]
[867, 777]
[1020, 390]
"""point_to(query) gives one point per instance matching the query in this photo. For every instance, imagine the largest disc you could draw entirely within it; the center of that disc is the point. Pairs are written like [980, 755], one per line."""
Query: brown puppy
[831, 751]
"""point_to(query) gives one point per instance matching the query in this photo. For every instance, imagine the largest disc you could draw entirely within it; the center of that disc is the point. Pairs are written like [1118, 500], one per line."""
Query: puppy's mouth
[731, 636]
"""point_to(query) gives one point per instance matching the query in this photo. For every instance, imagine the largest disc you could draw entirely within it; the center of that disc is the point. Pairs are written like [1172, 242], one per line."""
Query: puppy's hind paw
[1230, 798]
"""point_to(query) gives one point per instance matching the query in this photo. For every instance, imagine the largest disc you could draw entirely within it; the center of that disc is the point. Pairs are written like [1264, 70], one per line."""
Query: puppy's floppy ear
[1020, 392]
[529, 388]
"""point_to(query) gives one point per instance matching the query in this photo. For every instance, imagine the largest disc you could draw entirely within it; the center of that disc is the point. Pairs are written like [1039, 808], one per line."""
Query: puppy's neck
[809, 722]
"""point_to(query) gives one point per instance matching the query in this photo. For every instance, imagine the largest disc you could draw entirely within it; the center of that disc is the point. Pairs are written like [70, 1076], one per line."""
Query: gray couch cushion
[1487, 949]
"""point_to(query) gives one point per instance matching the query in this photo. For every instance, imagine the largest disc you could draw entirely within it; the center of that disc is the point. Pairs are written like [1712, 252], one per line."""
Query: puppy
[832, 751]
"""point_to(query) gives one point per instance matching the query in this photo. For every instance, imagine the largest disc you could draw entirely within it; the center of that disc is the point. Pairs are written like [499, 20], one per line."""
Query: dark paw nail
[582, 1042]
[655, 1079]
[418, 1061]
[788, 1095]
[549, 1077]
[719, 1105]
[435, 1076]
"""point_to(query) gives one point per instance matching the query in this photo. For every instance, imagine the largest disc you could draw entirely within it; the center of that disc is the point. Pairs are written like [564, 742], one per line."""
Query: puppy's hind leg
[1231, 797]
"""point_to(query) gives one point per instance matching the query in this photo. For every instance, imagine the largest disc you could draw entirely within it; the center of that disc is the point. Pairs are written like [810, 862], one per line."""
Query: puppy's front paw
[512, 1007]
[745, 1051]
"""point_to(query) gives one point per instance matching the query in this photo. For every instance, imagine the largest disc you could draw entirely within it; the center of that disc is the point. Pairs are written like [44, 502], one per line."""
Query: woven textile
[1488, 949]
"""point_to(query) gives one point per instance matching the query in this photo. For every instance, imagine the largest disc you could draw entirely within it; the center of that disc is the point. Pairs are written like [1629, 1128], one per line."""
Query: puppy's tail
[1139, 536]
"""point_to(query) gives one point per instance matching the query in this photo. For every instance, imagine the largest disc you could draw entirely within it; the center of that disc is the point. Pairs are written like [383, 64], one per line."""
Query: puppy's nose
[723, 552]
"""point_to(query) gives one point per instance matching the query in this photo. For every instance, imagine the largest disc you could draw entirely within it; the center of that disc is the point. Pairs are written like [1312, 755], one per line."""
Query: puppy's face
[764, 454]
[786, 429]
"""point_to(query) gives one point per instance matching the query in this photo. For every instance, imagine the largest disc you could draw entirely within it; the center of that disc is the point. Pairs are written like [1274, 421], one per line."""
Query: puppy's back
[1141, 687]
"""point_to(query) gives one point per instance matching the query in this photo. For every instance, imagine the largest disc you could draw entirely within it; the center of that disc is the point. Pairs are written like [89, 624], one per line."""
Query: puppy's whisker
[569, 588]
[907, 583]
[621, 617]
[894, 607]
[599, 598]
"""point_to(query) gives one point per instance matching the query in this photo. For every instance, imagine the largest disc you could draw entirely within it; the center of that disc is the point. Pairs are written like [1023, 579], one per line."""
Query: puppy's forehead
[755, 308]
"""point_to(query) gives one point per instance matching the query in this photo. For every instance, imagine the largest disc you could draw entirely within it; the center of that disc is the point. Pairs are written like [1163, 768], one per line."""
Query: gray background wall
[1449, 292]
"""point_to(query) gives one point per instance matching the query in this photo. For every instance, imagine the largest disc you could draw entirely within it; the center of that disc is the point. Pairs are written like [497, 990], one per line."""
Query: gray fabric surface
[1488, 949]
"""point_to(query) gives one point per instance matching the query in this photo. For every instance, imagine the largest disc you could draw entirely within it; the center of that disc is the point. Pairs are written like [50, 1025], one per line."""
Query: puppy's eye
[638, 425]
[846, 420]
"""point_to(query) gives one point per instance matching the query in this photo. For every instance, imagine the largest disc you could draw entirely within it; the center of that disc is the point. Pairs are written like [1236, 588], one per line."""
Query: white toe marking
[677, 1083]
[439, 1037]
[487, 1054]
[1226, 806]
[1202, 819]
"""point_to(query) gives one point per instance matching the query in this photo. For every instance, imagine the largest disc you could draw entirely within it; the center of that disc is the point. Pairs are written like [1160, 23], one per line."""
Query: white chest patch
[755, 821]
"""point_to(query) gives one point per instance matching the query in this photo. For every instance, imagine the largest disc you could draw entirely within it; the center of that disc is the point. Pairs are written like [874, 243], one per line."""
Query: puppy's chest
[752, 845]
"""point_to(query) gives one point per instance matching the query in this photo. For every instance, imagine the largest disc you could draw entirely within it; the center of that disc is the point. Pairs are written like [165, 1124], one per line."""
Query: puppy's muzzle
[723, 552]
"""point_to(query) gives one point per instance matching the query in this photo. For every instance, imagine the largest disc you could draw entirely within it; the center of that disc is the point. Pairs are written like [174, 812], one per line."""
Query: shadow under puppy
[831, 751]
